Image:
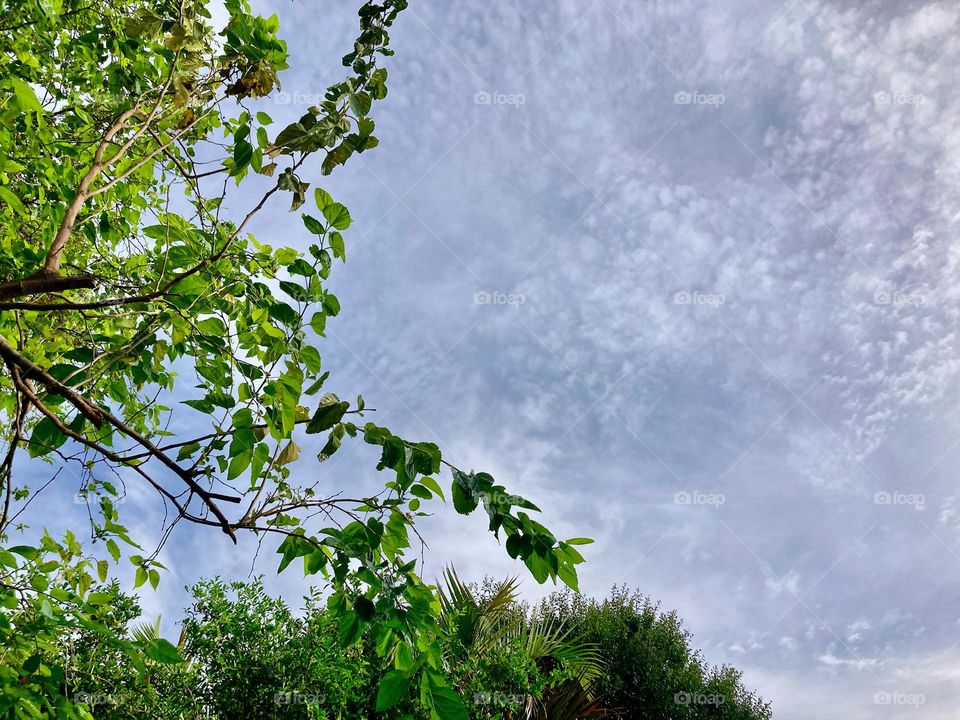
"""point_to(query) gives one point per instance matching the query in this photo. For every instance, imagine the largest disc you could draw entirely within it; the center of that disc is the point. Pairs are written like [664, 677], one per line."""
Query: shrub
[651, 670]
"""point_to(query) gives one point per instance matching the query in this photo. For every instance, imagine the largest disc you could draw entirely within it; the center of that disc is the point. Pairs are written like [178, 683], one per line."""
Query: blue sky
[683, 274]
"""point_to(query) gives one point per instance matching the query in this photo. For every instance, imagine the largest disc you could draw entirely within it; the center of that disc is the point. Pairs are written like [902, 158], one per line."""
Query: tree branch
[52, 262]
[44, 281]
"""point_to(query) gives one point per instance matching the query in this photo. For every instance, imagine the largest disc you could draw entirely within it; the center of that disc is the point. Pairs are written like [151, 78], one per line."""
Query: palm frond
[504, 596]
[544, 638]
[146, 632]
[566, 701]
[488, 623]
[455, 595]
[477, 624]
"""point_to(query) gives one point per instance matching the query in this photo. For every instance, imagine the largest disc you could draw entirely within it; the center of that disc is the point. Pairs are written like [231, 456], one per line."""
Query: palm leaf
[566, 701]
[146, 632]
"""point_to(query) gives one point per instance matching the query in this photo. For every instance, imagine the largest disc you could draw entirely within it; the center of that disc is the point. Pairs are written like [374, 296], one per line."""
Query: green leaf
[39, 583]
[113, 549]
[312, 224]
[349, 628]
[538, 567]
[364, 608]
[568, 574]
[46, 438]
[318, 323]
[314, 562]
[8, 196]
[290, 453]
[25, 551]
[433, 485]
[360, 104]
[337, 215]
[518, 546]
[285, 314]
[242, 154]
[333, 443]
[464, 501]
[326, 416]
[291, 136]
[293, 546]
[212, 326]
[393, 687]
[301, 267]
[140, 577]
[311, 358]
[448, 704]
[24, 96]
[421, 492]
[145, 23]
[331, 304]
[238, 464]
[337, 246]
[260, 457]
[187, 451]
[162, 651]
[322, 197]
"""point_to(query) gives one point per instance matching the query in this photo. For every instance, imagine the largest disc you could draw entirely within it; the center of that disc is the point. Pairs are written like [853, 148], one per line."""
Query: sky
[682, 273]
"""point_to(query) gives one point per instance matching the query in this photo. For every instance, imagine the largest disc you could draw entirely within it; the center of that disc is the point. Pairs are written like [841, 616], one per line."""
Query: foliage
[507, 660]
[126, 129]
[49, 606]
[651, 669]
[251, 656]
[257, 655]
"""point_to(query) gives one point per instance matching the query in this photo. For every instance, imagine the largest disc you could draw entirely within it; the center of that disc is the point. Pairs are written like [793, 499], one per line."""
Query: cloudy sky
[683, 273]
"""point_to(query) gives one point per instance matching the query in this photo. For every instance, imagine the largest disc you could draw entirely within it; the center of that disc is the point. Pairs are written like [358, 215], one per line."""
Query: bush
[260, 661]
[651, 670]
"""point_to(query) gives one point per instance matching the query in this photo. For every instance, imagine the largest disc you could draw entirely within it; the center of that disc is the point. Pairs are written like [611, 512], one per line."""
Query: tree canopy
[144, 329]
[253, 656]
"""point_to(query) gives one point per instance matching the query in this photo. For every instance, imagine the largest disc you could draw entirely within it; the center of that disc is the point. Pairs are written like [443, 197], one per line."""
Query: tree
[126, 128]
[651, 670]
[258, 659]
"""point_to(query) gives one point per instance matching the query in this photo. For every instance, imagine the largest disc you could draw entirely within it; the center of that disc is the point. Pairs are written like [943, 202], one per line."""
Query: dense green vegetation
[250, 656]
